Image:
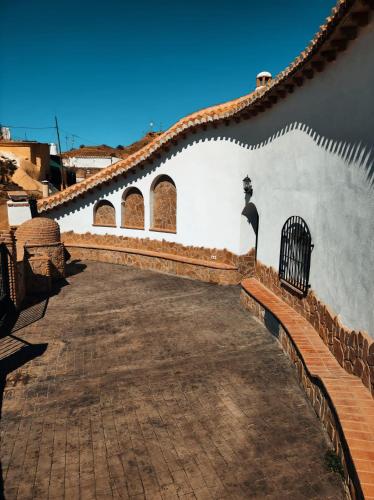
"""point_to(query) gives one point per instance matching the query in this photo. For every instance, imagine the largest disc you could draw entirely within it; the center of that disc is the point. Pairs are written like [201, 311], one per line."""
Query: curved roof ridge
[301, 68]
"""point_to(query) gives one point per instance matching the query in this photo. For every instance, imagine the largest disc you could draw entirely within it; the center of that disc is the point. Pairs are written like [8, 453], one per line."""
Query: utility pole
[73, 140]
[59, 149]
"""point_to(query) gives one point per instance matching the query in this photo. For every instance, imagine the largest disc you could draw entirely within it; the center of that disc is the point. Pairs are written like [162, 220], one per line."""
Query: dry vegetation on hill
[119, 151]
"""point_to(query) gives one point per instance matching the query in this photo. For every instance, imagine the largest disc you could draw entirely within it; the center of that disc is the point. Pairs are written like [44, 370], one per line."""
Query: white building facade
[86, 164]
[306, 142]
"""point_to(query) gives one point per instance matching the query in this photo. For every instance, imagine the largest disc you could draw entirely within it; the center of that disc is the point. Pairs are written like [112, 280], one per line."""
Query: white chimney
[45, 189]
[263, 79]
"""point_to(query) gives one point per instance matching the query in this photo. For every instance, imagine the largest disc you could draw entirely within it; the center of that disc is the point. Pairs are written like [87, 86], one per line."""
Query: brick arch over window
[104, 214]
[164, 204]
[132, 209]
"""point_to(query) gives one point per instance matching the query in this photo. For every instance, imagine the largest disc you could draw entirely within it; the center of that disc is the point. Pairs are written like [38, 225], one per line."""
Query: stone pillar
[45, 189]
[38, 274]
[54, 252]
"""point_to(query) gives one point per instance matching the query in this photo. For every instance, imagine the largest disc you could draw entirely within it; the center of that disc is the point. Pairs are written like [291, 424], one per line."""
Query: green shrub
[333, 462]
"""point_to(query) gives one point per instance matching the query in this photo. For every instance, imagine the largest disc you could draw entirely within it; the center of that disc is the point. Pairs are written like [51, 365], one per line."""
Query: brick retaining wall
[340, 401]
[353, 350]
[205, 264]
[222, 274]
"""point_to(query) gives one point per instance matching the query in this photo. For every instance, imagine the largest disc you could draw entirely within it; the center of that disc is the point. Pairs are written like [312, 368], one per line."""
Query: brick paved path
[152, 386]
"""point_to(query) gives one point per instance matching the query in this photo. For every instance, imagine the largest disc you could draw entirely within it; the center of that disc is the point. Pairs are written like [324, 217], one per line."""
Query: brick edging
[354, 350]
[320, 397]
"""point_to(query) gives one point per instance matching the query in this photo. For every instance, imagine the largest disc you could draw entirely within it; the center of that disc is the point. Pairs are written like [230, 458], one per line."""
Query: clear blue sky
[109, 68]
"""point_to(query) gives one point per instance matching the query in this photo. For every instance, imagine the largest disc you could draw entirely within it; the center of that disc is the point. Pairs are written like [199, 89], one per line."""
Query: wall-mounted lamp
[247, 186]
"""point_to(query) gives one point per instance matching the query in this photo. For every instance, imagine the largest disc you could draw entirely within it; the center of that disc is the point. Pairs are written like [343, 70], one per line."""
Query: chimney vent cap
[264, 73]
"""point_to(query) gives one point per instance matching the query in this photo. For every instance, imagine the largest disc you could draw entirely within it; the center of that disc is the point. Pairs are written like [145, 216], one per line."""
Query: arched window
[133, 209]
[164, 205]
[104, 214]
[295, 253]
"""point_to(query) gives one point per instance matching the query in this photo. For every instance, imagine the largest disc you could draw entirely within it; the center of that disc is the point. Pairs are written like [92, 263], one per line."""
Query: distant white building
[87, 161]
[5, 133]
[53, 148]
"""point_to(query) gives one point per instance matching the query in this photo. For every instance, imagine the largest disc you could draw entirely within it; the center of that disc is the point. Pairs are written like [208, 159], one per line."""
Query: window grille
[295, 252]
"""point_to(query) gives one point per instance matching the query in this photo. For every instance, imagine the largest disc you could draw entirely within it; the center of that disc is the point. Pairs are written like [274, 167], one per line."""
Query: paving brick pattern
[157, 387]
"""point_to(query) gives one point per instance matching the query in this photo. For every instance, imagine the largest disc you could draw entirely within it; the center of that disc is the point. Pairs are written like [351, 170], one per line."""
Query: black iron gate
[5, 302]
[295, 254]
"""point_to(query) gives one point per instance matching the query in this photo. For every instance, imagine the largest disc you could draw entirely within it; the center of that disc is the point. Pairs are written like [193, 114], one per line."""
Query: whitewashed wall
[310, 155]
[89, 162]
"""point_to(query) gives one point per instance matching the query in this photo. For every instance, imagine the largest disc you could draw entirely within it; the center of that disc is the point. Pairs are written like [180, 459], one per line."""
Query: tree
[82, 146]
[120, 146]
[7, 169]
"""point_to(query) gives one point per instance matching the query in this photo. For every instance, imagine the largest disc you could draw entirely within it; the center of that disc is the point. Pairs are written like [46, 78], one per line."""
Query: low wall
[163, 246]
[164, 263]
[204, 264]
[316, 392]
[353, 350]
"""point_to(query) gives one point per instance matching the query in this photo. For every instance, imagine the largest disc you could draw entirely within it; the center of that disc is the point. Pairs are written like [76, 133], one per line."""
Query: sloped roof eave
[216, 113]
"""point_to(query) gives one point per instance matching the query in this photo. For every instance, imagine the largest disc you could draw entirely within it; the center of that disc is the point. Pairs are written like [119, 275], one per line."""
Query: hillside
[104, 150]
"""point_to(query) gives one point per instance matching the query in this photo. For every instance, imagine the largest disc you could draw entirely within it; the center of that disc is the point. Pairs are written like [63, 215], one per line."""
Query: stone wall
[7, 237]
[246, 263]
[353, 350]
[20, 281]
[315, 392]
[104, 214]
[164, 205]
[38, 274]
[206, 268]
[164, 263]
[54, 252]
[209, 254]
[133, 210]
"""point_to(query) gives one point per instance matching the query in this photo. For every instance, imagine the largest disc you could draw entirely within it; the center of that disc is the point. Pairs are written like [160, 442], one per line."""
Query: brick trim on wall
[354, 350]
[160, 230]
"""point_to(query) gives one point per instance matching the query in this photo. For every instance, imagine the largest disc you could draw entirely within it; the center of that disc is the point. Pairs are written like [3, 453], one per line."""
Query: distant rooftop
[104, 151]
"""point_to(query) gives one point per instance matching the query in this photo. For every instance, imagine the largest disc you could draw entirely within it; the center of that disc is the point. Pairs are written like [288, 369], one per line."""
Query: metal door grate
[295, 253]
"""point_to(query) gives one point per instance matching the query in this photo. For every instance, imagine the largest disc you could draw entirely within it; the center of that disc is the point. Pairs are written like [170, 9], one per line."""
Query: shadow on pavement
[34, 306]
[14, 353]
